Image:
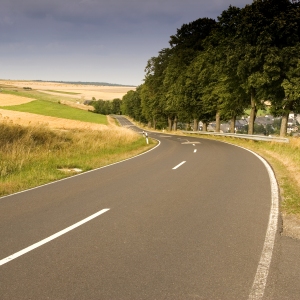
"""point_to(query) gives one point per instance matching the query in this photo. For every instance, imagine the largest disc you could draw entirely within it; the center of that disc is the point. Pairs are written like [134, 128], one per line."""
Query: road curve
[186, 220]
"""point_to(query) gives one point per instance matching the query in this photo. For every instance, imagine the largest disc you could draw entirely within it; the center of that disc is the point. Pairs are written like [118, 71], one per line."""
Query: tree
[281, 66]
[103, 107]
[131, 105]
[185, 46]
[285, 94]
[116, 106]
[255, 29]
[153, 92]
[225, 87]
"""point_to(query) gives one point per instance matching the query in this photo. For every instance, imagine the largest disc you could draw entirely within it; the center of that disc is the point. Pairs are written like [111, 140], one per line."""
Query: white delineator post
[145, 134]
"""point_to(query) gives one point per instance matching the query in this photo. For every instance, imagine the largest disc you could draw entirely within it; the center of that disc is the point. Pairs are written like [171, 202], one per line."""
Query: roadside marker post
[145, 134]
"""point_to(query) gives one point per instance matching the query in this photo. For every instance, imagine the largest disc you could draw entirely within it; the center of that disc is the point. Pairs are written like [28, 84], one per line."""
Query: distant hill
[86, 83]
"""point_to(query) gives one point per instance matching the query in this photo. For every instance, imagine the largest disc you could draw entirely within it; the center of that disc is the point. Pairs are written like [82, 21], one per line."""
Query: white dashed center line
[179, 165]
[52, 237]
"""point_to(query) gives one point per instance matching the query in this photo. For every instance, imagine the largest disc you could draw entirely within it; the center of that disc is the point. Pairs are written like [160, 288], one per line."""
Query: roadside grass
[54, 109]
[285, 161]
[34, 155]
[63, 92]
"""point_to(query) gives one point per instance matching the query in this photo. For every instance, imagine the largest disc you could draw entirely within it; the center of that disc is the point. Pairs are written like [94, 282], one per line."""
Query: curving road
[186, 220]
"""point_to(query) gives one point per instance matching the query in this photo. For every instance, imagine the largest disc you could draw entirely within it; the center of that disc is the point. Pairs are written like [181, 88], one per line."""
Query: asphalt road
[186, 220]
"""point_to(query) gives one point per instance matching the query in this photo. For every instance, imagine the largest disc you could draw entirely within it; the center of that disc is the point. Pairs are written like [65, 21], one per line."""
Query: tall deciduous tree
[131, 105]
[282, 71]
[256, 28]
[153, 95]
[281, 65]
[185, 46]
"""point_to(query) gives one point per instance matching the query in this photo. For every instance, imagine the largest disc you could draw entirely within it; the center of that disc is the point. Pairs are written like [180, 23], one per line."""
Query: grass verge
[52, 109]
[31, 156]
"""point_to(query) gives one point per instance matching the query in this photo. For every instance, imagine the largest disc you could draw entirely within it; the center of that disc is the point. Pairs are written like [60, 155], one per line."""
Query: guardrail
[243, 136]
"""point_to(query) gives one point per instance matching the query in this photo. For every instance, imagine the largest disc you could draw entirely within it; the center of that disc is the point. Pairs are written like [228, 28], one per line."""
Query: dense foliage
[107, 107]
[214, 70]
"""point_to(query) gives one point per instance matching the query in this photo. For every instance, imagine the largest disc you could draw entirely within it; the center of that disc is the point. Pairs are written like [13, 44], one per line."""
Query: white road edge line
[195, 150]
[262, 272]
[52, 237]
[179, 165]
[260, 280]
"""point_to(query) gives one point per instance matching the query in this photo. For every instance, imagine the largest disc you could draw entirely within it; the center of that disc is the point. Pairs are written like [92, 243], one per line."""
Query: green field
[52, 109]
[36, 95]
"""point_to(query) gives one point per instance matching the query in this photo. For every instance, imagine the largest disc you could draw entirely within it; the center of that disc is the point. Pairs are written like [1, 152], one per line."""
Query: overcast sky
[92, 40]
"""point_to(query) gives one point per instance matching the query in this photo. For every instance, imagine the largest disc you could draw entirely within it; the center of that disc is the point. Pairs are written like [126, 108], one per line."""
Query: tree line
[216, 69]
[106, 107]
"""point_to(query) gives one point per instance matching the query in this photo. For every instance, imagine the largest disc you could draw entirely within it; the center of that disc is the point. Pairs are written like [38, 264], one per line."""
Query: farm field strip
[57, 110]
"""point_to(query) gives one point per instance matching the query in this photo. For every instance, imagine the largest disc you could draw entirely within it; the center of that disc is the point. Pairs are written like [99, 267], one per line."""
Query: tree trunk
[232, 124]
[218, 117]
[196, 124]
[284, 123]
[204, 126]
[154, 123]
[149, 124]
[252, 113]
[175, 123]
[170, 123]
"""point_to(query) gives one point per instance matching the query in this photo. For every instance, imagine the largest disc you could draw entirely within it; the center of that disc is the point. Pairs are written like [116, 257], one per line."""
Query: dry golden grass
[34, 155]
[290, 159]
[27, 119]
[35, 148]
[7, 100]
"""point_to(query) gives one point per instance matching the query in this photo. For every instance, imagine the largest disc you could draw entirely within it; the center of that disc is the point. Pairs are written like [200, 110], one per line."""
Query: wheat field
[80, 92]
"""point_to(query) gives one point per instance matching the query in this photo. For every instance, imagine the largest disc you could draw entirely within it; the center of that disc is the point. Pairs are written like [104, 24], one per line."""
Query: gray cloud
[105, 34]
[94, 11]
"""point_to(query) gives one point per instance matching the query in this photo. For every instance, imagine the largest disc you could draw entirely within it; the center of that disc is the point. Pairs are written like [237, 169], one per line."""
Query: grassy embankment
[35, 155]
